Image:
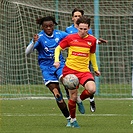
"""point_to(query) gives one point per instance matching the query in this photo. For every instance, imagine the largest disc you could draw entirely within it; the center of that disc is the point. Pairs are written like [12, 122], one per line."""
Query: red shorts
[82, 76]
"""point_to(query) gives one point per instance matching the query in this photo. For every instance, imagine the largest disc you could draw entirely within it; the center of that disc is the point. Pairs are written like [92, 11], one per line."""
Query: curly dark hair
[48, 18]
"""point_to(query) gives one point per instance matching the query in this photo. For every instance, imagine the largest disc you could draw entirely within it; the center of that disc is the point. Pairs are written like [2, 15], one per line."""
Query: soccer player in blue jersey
[45, 43]
[76, 13]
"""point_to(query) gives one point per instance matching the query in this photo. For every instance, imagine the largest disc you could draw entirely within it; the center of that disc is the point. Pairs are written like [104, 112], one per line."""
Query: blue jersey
[46, 46]
[71, 29]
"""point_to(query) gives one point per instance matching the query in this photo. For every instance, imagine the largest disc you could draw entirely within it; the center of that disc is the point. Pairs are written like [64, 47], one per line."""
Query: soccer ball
[71, 81]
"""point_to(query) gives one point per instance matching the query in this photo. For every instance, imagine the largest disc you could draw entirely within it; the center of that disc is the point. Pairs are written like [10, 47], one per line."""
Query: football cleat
[75, 124]
[92, 106]
[81, 107]
[68, 123]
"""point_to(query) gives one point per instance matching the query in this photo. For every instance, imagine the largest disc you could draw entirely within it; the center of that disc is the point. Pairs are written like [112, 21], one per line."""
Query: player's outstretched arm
[30, 47]
[100, 41]
[97, 73]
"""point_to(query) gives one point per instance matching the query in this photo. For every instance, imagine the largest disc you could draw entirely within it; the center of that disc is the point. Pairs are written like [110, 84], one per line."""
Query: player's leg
[78, 101]
[48, 74]
[59, 76]
[92, 104]
[55, 89]
[89, 91]
[72, 107]
[92, 100]
[67, 92]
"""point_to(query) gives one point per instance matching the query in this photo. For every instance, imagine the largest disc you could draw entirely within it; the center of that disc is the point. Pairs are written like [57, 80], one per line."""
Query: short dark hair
[84, 20]
[77, 10]
[48, 18]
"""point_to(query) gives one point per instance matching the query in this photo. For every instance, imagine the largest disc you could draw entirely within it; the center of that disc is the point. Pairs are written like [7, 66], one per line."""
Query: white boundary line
[84, 115]
[51, 98]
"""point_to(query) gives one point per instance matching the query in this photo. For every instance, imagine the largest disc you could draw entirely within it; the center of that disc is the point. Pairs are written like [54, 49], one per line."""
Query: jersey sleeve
[64, 43]
[57, 53]
[29, 48]
[36, 44]
[93, 48]
[94, 61]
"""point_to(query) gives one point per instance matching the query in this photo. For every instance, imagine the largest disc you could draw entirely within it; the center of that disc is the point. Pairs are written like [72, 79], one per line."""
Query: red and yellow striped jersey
[79, 51]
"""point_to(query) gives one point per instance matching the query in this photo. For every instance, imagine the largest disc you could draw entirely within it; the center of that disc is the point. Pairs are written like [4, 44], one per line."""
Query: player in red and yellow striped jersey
[76, 13]
[82, 47]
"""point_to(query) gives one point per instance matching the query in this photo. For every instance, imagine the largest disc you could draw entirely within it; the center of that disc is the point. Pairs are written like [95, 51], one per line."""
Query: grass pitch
[43, 116]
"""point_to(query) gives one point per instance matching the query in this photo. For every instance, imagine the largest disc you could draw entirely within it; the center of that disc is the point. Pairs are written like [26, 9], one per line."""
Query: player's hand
[100, 41]
[35, 38]
[97, 73]
[56, 64]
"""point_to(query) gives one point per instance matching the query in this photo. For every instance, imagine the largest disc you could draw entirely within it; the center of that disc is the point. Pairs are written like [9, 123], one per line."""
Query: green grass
[106, 90]
[43, 116]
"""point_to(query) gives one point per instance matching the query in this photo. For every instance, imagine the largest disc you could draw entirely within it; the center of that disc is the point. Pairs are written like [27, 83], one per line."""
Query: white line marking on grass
[38, 115]
[52, 98]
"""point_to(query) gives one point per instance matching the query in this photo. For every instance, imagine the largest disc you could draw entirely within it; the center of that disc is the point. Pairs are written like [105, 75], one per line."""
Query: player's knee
[58, 97]
[91, 90]
[74, 98]
[90, 87]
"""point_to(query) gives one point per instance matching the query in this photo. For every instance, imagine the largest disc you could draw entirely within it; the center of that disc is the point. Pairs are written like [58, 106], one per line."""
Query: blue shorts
[51, 74]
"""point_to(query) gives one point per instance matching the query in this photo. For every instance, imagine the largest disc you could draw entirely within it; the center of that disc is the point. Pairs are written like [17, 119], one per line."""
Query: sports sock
[91, 99]
[65, 112]
[79, 100]
[92, 96]
[72, 108]
[85, 94]
[73, 119]
[68, 118]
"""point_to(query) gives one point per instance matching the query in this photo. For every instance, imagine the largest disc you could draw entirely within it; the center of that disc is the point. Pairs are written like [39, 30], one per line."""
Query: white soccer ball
[71, 81]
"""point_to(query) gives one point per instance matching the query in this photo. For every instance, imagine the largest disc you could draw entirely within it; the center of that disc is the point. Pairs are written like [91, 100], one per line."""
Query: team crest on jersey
[57, 40]
[46, 49]
[89, 43]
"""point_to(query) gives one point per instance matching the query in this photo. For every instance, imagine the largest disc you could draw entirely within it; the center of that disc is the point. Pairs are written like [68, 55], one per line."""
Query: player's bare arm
[97, 73]
[100, 41]
[56, 64]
